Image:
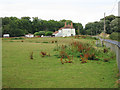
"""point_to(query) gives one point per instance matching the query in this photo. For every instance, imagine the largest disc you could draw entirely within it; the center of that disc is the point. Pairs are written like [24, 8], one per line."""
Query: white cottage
[67, 30]
[6, 35]
[29, 35]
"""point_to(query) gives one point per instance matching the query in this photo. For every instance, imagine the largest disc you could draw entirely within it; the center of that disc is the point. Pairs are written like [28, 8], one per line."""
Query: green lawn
[19, 71]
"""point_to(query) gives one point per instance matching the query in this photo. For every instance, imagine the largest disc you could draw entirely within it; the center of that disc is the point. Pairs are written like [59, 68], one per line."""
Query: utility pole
[103, 31]
[119, 9]
[78, 30]
[104, 26]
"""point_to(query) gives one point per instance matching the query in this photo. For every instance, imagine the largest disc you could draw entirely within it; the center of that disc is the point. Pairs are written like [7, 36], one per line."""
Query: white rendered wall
[65, 32]
[6, 35]
[68, 32]
[29, 36]
[59, 34]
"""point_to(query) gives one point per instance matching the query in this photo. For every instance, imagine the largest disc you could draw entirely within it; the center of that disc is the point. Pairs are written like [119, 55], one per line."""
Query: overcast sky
[82, 11]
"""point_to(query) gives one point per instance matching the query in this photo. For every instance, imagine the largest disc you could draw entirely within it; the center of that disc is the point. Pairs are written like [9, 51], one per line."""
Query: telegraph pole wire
[113, 8]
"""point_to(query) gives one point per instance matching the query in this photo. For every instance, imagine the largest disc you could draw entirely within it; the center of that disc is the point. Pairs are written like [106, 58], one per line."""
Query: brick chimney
[71, 24]
[65, 24]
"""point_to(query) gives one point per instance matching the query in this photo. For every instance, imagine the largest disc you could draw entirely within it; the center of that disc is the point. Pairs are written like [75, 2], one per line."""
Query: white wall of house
[59, 34]
[29, 35]
[6, 35]
[55, 34]
[68, 32]
[65, 32]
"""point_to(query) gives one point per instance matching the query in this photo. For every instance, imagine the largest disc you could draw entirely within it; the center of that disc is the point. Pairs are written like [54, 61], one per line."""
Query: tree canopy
[24, 25]
[112, 25]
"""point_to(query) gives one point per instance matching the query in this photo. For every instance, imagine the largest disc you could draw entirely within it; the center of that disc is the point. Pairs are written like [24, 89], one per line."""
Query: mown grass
[19, 71]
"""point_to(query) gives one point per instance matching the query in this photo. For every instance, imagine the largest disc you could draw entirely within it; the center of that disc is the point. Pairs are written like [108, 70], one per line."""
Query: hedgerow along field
[57, 63]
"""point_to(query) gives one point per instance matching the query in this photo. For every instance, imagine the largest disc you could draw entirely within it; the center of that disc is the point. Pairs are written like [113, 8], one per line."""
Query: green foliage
[114, 25]
[97, 27]
[79, 28]
[48, 33]
[115, 36]
[42, 33]
[19, 71]
[18, 27]
[110, 18]
[17, 38]
[15, 27]
[44, 42]
[39, 33]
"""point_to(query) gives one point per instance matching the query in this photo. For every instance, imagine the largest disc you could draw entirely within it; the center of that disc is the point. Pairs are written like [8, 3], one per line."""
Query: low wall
[115, 48]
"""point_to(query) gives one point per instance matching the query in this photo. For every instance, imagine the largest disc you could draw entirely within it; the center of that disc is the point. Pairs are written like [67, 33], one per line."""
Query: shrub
[17, 38]
[55, 41]
[84, 59]
[52, 41]
[48, 33]
[39, 33]
[43, 54]
[115, 36]
[65, 58]
[42, 33]
[44, 42]
[106, 59]
[105, 50]
[83, 51]
[31, 55]
[37, 42]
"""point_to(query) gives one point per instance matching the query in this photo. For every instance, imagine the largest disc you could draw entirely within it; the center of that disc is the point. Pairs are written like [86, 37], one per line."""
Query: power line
[114, 5]
[111, 11]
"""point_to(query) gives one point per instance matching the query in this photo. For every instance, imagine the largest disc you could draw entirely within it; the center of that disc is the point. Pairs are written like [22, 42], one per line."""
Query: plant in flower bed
[65, 58]
[85, 37]
[76, 49]
[31, 55]
[81, 50]
[43, 54]
[84, 59]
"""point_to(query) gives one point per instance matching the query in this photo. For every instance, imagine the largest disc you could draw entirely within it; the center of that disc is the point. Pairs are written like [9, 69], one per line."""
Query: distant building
[29, 35]
[6, 35]
[55, 33]
[104, 35]
[67, 30]
[42, 35]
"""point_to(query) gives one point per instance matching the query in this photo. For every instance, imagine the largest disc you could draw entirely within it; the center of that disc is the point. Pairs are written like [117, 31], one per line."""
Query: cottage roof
[55, 32]
[67, 26]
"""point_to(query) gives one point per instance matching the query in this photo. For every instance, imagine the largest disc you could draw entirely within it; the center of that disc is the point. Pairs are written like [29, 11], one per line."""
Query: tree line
[112, 24]
[24, 25]
[20, 26]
